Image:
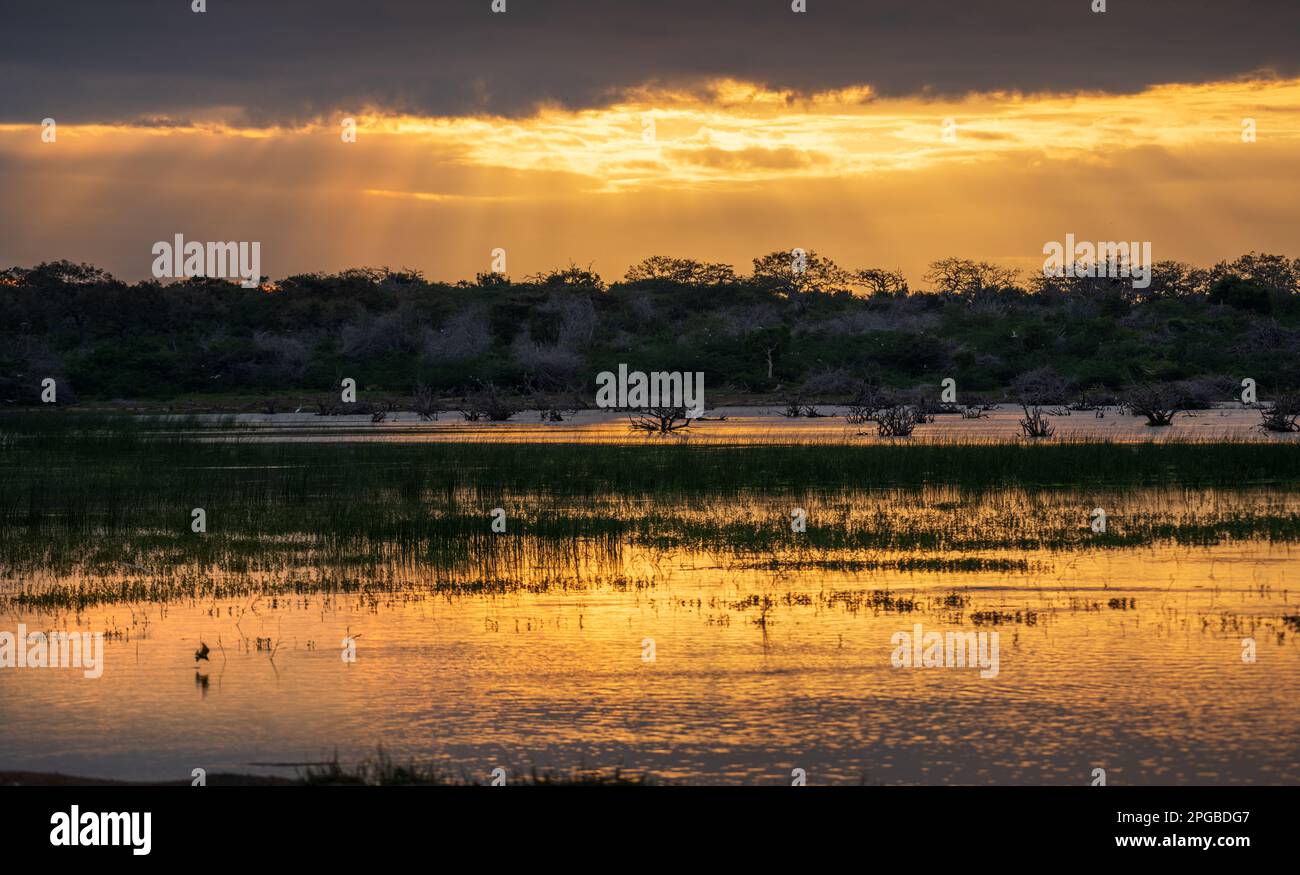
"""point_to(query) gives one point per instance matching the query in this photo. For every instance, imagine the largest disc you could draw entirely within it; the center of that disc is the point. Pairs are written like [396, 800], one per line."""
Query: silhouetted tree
[684, 271]
[784, 272]
[967, 279]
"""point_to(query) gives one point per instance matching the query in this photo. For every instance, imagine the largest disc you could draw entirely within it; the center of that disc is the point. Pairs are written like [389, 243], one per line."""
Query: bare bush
[1158, 403]
[867, 404]
[795, 407]
[488, 402]
[376, 335]
[859, 414]
[1093, 401]
[897, 421]
[1039, 387]
[554, 408]
[1035, 424]
[424, 401]
[552, 366]
[1282, 414]
[660, 420]
[1202, 393]
[577, 316]
[925, 404]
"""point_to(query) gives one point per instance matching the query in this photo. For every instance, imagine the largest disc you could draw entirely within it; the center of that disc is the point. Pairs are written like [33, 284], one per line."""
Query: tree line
[789, 326]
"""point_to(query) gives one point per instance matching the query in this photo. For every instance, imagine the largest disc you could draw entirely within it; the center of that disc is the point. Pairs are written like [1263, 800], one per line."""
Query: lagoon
[1166, 650]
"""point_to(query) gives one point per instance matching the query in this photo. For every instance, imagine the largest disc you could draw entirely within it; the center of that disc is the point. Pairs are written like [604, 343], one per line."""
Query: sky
[881, 134]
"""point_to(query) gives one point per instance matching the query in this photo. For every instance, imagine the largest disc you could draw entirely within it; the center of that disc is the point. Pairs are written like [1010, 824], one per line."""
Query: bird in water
[202, 652]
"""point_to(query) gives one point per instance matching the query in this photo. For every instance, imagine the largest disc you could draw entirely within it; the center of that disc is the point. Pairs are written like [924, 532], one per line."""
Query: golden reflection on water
[755, 425]
[1128, 659]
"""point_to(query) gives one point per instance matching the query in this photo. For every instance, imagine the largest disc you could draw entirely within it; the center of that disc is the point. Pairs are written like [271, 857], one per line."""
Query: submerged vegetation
[1282, 415]
[108, 504]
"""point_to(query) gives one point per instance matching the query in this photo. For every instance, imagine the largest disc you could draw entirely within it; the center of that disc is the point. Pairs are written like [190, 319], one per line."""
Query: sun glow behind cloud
[724, 172]
[741, 133]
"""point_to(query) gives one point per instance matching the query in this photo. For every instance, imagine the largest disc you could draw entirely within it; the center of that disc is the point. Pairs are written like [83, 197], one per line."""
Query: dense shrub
[819, 333]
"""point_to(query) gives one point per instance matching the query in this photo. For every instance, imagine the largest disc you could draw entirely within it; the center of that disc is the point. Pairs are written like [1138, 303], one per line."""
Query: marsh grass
[382, 771]
[101, 506]
[925, 564]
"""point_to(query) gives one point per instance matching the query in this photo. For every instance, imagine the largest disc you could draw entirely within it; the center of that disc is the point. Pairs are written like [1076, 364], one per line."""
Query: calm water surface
[758, 425]
[1128, 659]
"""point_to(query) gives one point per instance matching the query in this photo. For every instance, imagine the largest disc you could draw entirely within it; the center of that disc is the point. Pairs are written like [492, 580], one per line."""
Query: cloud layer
[746, 171]
[278, 63]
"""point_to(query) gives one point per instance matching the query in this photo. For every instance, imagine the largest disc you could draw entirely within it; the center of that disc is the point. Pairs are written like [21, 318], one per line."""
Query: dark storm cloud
[287, 60]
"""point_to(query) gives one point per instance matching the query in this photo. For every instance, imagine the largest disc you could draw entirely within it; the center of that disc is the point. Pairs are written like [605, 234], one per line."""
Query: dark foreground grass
[377, 771]
[382, 770]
